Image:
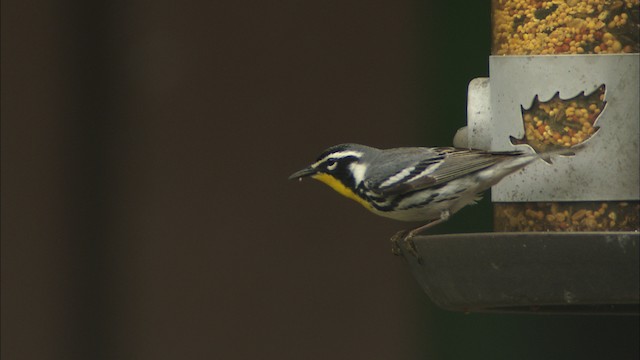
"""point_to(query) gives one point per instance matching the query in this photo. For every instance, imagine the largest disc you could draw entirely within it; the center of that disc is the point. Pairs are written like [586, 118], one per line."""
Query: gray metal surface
[479, 126]
[531, 272]
[607, 168]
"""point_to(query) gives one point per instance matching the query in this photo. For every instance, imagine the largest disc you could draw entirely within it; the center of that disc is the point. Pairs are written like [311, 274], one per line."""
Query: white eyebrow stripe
[338, 155]
[397, 177]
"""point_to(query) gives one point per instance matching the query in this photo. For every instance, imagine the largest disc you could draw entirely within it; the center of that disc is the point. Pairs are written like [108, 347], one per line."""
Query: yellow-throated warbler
[413, 183]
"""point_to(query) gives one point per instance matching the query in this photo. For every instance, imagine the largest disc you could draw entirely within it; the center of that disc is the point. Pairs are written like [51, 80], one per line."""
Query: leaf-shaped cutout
[561, 123]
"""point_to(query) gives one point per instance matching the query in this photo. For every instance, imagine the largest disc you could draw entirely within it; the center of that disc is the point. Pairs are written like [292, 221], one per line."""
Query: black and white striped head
[344, 162]
[342, 167]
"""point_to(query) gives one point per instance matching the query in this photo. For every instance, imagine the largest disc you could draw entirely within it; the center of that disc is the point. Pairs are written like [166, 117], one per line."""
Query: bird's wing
[431, 167]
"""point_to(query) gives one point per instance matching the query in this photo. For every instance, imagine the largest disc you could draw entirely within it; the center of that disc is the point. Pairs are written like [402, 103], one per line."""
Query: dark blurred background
[145, 208]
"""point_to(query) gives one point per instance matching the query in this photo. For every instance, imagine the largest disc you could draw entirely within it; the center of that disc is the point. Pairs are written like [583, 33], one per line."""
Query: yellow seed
[603, 15]
[590, 223]
[578, 215]
[616, 46]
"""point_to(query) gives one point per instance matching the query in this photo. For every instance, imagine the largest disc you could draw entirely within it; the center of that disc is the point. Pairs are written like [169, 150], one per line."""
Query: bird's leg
[407, 237]
[444, 216]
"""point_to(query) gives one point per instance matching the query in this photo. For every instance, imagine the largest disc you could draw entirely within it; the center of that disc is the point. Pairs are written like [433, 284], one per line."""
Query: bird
[426, 184]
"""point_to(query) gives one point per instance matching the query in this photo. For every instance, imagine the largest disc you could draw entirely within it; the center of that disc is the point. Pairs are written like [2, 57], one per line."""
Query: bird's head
[342, 167]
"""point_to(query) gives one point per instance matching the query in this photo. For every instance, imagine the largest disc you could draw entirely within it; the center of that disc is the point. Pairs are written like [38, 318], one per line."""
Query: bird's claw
[404, 238]
[395, 242]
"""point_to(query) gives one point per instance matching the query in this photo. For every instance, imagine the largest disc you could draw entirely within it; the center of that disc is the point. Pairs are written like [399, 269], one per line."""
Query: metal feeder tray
[535, 272]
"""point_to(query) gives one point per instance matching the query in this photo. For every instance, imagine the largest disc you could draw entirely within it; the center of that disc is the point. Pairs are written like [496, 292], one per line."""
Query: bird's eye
[331, 164]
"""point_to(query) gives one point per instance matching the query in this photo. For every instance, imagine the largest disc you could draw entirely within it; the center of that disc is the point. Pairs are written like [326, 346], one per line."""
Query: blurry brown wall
[145, 208]
[147, 212]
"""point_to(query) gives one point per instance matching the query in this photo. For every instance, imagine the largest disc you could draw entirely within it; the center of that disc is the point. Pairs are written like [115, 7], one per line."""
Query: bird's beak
[308, 171]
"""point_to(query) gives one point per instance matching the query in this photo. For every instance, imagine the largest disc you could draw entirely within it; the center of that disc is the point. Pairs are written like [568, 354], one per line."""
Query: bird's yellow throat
[338, 186]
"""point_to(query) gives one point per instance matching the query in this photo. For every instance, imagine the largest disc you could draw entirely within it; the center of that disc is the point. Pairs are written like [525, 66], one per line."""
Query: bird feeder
[562, 76]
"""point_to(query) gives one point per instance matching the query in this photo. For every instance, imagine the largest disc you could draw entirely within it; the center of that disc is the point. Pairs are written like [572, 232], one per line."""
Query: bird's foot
[404, 239]
[396, 239]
